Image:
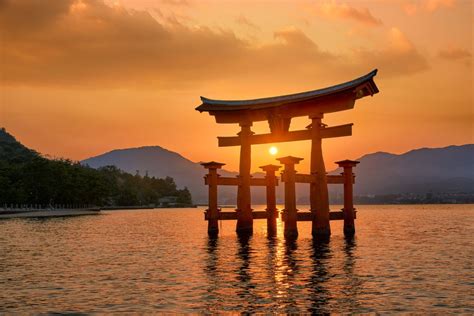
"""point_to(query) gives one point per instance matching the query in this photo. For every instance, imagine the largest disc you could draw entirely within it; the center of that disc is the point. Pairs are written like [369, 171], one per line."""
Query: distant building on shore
[168, 201]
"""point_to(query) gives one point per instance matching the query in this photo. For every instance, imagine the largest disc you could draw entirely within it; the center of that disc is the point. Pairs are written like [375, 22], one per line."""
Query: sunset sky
[82, 77]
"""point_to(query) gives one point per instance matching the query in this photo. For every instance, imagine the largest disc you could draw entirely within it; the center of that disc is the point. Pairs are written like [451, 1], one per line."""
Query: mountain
[13, 151]
[448, 169]
[160, 162]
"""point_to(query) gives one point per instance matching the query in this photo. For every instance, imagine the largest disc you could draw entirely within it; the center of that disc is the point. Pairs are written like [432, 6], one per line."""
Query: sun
[273, 150]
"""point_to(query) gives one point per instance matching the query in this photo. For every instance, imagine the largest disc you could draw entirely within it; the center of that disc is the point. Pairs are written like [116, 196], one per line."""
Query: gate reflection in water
[286, 273]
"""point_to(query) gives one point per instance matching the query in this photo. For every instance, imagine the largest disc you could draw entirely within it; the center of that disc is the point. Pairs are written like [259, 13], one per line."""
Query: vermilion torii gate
[279, 111]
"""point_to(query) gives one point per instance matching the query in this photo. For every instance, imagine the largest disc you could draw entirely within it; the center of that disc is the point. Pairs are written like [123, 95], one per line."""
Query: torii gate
[279, 111]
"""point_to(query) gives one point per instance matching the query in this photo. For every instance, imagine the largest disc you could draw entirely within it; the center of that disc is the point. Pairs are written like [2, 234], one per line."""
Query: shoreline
[49, 213]
[46, 213]
[66, 212]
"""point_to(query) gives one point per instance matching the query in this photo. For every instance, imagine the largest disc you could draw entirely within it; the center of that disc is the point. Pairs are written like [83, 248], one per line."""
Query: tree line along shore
[31, 180]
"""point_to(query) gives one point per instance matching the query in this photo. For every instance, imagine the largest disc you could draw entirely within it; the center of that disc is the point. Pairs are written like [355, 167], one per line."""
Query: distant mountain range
[420, 171]
[448, 169]
[160, 162]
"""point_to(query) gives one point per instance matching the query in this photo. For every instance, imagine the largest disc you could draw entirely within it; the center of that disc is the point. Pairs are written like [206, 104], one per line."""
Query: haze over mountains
[447, 170]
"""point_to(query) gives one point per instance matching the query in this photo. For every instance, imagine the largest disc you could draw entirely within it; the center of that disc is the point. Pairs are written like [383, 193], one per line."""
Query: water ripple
[403, 259]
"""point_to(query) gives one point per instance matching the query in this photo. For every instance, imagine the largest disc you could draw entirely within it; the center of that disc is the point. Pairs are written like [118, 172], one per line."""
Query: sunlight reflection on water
[403, 259]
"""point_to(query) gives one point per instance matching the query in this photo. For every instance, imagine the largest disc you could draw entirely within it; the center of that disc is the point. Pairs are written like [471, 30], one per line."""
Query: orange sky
[79, 78]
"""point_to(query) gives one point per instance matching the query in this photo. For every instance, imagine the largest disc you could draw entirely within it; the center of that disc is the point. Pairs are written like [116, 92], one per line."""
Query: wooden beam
[305, 178]
[260, 182]
[328, 104]
[301, 216]
[227, 141]
[308, 216]
[308, 178]
[334, 179]
[337, 131]
[226, 181]
[234, 215]
[327, 132]
[235, 181]
[337, 179]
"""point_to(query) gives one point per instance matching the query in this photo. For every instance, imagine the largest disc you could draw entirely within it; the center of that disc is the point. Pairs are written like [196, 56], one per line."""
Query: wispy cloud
[398, 56]
[456, 54]
[344, 11]
[176, 2]
[414, 7]
[243, 20]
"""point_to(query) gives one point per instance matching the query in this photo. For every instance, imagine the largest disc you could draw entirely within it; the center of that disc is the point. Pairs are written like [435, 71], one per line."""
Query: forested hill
[12, 151]
[28, 178]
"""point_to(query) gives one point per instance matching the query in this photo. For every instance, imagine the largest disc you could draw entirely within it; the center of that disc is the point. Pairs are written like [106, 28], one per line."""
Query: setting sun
[273, 150]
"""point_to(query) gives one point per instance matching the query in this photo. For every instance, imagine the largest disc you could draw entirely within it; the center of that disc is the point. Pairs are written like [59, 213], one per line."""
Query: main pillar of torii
[279, 111]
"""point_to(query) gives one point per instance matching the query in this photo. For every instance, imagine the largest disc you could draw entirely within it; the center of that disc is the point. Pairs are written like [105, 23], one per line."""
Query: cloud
[456, 54]
[344, 11]
[86, 43]
[176, 2]
[413, 7]
[295, 37]
[242, 20]
[398, 57]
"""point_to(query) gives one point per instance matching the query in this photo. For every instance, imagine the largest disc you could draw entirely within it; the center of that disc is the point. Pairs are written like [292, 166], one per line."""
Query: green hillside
[28, 178]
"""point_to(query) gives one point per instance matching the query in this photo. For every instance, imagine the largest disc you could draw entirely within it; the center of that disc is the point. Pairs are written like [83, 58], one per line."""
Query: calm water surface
[403, 259]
